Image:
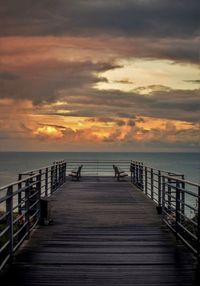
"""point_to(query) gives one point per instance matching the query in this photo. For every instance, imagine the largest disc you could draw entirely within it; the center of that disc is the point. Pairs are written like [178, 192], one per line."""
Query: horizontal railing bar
[183, 181]
[4, 216]
[17, 182]
[43, 168]
[183, 190]
[31, 206]
[20, 229]
[98, 161]
[192, 221]
[163, 171]
[4, 246]
[21, 204]
[181, 237]
[187, 243]
[32, 227]
[36, 192]
[18, 218]
[4, 262]
[43, 192]
[20, 242]
[190, 207]
[33, 215]
[4, 231]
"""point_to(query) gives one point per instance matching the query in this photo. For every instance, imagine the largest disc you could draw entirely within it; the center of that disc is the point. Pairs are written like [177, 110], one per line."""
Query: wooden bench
[76, 174]
[119, 173]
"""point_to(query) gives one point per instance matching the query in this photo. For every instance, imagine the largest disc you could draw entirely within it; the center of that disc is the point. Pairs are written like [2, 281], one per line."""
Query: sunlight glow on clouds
[100, 75]
[49, 132]
[140, 73]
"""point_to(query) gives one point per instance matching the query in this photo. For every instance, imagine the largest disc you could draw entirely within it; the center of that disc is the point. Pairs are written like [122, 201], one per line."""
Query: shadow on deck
[105, 232]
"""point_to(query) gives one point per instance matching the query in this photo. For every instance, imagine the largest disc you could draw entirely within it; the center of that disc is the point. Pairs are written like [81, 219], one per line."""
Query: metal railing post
[52, 179]
[65, 170]
[177, 208]
[131, 171]
[141, 177]
[38, 189]
[183, 199]
[169, 194]
[163, 198]
[146, 180]
[159, 189]
[46, 181]
[27, 207]
[136, 173]
[55, 176]
[9, 210]
[60, 173]
[19, 195]
[152, 195]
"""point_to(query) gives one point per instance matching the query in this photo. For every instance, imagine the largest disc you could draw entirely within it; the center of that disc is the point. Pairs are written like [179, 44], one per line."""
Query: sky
[97, 75]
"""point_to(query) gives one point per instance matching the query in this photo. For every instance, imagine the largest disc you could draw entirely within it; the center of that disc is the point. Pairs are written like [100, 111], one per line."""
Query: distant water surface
[12, 163]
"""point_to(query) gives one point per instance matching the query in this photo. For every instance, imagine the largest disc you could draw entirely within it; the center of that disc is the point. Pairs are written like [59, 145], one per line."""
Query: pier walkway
[104, 232]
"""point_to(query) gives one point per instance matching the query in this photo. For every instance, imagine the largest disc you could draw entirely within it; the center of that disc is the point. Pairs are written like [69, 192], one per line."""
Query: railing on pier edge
[20, 205]
[177, 200]
[98, 167]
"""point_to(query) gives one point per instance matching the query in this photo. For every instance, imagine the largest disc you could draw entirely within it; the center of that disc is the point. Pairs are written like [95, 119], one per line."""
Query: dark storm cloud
[8, 76]
[169, 103]
[44, 81]
[73, 83]
[112, 17]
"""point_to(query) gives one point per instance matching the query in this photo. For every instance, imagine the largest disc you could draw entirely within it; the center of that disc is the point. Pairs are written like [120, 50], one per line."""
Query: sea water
[12, 163]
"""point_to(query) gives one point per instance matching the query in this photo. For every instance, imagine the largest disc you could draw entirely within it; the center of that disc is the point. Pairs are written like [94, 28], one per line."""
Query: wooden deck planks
[104, 233]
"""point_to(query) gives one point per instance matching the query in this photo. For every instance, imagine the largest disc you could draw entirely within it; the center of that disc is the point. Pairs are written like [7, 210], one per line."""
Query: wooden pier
[104, 232]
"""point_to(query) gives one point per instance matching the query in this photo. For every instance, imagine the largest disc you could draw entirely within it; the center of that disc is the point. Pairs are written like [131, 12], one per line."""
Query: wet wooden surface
[104, 233]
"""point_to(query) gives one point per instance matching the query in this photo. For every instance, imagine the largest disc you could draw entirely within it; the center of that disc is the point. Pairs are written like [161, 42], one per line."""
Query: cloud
[8, 76]
[56, 56]
[15, 51]
[22, 130]
[131, 18]
[124, 81]
[54, 126]
[196, 81]
[73, 86]
[44, 81]
[169, 103]
[131, 123]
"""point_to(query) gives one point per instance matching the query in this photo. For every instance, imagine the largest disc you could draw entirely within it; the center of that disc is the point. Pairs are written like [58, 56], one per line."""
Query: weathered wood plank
[104, 233]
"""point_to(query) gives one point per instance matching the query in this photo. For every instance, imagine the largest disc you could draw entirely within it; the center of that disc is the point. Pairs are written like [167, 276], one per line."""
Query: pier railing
[52, 177]
[20, 205]
[98, 168]
[177, 199]
[181, 210]
[149, 179]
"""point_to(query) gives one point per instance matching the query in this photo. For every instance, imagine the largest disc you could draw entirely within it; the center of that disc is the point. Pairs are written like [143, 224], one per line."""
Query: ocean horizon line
[128, 152]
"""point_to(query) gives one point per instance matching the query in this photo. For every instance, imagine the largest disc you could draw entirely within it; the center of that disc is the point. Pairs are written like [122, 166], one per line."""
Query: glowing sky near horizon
[99, 75]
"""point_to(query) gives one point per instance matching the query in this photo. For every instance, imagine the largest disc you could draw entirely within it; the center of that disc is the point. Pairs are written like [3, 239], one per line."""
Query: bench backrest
[116, 170]
[79, 170]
